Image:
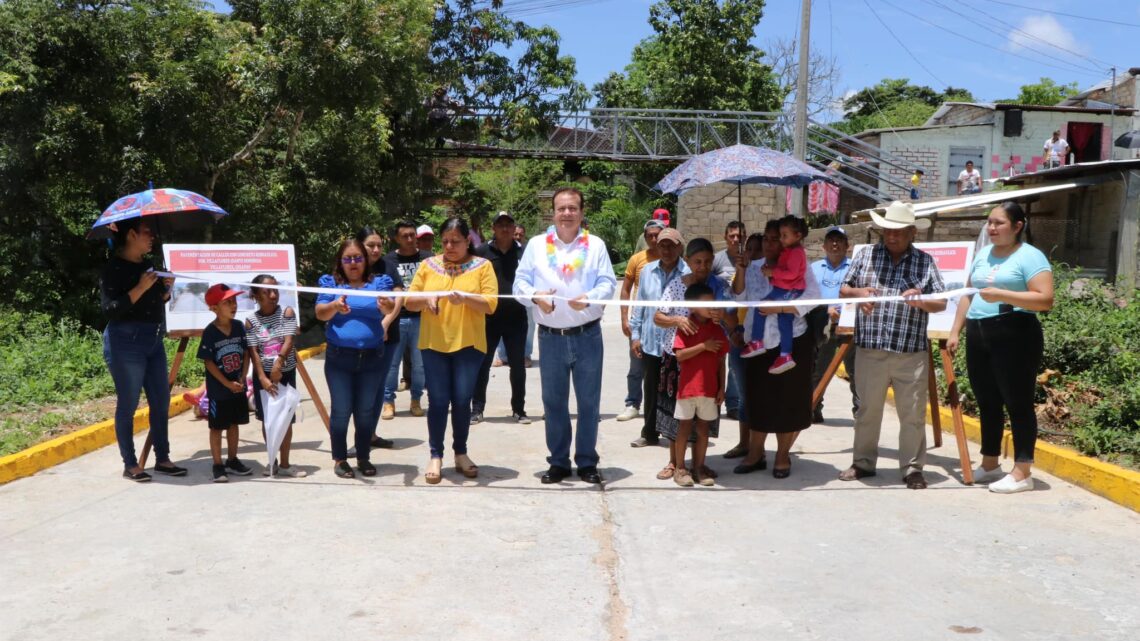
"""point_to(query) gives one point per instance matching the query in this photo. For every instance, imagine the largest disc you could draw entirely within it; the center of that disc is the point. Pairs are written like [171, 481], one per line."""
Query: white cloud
[1036, 31]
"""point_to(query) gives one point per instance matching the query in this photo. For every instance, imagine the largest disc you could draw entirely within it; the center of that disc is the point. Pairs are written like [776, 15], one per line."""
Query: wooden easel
[935, 417]
[184, 337]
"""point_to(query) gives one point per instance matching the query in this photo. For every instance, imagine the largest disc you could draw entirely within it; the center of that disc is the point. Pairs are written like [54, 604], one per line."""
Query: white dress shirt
[595, 279]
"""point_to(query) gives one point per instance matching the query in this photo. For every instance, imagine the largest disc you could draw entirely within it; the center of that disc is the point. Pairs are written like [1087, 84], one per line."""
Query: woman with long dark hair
[453, 339]
[373, 242]
[1005, 343]
[133, 297]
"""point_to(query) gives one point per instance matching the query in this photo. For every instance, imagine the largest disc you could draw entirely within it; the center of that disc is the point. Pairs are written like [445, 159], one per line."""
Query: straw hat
[899, 215]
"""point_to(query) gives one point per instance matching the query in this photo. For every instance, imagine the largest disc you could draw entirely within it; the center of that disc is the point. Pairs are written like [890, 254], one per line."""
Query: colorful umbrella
[740, 165]
[182, 210]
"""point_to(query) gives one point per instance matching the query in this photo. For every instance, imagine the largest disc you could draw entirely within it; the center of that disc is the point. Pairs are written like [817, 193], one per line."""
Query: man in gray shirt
[724, 266]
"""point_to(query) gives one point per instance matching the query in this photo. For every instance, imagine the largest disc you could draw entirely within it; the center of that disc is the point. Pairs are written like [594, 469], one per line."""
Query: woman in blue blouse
[1015, 281]
[354, 368]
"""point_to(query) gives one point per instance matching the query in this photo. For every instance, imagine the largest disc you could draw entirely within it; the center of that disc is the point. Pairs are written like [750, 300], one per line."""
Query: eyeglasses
[351, 260]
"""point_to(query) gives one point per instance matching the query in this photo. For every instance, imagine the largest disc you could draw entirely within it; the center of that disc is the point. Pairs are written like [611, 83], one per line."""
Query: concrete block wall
[930, 159]
[704, 211]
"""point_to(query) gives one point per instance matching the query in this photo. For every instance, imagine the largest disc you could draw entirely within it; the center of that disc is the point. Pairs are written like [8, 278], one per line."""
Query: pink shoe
[783, 363]
[752, 349]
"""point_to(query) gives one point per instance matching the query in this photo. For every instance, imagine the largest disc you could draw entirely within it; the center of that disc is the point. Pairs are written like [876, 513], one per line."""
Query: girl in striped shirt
[269, 335]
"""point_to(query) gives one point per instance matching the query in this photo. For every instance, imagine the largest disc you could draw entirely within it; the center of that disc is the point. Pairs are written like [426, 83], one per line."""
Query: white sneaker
[629, 413]
[981, 475]
[1010, 485]
[291, 472]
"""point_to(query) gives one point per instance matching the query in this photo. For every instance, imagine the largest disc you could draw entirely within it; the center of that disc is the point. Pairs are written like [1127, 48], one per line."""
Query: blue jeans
[736, 374]
[451, 386]
[391, 352]
[409, 338]
[136, 358]
[784, 321]
[354, 377]
[501, 354]
[566, 358]
[732, 386]
[633, 381]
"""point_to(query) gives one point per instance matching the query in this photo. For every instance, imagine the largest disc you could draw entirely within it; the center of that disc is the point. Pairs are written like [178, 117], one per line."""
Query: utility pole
[1112, 119]
[799, 135]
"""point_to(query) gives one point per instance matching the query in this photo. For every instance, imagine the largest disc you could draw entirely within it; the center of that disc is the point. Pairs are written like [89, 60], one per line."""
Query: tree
[1046, 92]
[700, 56]
[894, 102]
[823, 74]
[470, 61]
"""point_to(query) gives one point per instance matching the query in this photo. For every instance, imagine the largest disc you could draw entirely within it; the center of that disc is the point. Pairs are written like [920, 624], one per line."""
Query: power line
[1071, 69]
[1100, 65]
[909, 52]
[1067, 15]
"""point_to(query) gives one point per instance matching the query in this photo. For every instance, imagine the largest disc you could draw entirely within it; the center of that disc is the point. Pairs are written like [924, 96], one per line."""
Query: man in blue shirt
[829, 272]
[645, 335]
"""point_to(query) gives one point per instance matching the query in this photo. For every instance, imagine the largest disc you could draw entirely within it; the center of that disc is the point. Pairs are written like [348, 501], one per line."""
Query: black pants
[1003, 355]
[512, 331]
[825, 351]
[652, 367]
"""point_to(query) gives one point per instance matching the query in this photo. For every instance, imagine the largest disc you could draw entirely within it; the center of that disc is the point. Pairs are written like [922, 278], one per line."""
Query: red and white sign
[234, 265]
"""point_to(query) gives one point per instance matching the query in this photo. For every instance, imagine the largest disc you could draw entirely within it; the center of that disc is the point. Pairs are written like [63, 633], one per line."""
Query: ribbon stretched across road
[690, 304]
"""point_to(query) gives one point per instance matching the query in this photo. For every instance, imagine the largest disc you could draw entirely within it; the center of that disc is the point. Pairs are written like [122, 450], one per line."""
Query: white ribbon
[689, 304]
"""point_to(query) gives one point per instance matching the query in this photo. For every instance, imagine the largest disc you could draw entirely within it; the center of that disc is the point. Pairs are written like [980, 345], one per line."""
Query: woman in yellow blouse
[453, 339]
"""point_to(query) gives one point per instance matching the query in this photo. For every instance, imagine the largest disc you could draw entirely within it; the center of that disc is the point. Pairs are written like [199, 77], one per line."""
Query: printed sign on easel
[233, 265]
[953, 260]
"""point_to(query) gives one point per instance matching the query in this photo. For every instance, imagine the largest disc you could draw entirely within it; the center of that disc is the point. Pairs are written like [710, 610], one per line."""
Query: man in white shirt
[569, 263]
[1056, 150]
[969, 180]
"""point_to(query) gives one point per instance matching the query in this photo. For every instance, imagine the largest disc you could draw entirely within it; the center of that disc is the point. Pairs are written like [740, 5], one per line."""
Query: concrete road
[85, 554]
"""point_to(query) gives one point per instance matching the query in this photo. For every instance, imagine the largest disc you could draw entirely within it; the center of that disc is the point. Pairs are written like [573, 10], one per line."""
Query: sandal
[344, 470]
[470, 470]
[432, 475]
[737, 451]
[366, 468]
[709, 472]
[666, 472]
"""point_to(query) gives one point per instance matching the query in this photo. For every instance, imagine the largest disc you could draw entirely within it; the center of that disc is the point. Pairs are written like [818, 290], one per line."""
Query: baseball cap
[220, 292]
[661, 214]
[672, 235]
[836, 230]
[654, 223]
[501, 215]
[424, 230]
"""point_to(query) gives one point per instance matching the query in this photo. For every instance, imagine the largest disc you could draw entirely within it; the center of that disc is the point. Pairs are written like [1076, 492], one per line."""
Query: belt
[568, 331]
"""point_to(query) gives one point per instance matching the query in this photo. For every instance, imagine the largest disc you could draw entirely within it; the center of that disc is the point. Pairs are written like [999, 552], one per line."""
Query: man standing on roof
[1056, 150]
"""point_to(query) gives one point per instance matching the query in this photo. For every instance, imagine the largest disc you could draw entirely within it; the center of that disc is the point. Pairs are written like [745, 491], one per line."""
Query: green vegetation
[1089, 398]
[50, 369]
[894, 102]
[1046, 92]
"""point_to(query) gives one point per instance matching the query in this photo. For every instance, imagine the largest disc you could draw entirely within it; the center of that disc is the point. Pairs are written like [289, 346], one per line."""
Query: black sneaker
[522, 419]
[237, 467]
[170, 469]
[476, 417]
[220, 474]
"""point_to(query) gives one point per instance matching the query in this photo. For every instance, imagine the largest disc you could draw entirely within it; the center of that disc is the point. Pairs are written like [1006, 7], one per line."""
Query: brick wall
[704, 211]
[930, 159]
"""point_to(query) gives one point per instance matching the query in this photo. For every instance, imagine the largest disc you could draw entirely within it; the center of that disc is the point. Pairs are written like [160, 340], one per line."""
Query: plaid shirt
[893, 326]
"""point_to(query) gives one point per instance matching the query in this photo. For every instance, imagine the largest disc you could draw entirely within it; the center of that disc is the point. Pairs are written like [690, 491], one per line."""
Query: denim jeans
[633, 381]
[389, 360]
[736, 375]
[512, 332]
[576, 358]
[451, 386]
[784, 321]
[354, 377]
[501, 354]
[136, 357]
[409, 339]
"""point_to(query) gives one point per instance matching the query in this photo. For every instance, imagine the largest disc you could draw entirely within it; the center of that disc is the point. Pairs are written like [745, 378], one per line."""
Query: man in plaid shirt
[891, 342]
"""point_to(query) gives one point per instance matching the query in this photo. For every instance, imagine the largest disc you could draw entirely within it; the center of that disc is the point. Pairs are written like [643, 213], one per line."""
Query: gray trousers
[907, 374]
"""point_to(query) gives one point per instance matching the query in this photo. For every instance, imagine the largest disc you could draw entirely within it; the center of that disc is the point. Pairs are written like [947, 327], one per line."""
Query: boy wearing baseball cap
[226, 359]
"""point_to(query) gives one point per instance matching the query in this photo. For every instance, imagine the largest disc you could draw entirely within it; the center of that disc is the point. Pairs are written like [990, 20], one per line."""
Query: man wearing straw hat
[891, 343]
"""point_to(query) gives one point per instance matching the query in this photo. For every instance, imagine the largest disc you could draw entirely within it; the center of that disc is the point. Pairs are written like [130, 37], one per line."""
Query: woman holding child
[776, 403]
[354, 358]
[453, 339]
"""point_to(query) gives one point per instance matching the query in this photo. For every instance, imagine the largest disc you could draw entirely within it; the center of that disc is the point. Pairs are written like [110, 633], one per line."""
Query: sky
[990, 47]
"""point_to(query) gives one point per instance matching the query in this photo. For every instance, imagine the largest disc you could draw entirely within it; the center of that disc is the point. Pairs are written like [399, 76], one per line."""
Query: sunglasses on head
[351, 260]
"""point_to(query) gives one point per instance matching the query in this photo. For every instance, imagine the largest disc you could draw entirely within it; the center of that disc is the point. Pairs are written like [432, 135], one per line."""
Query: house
[1007, 139]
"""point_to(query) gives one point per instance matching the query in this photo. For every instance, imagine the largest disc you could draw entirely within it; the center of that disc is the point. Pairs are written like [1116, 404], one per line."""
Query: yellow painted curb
[1115, 483]
[64, 448]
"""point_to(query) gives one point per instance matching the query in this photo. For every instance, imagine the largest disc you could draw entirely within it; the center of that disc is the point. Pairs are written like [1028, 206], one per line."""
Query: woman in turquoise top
[1015, 281]
[354, 368]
